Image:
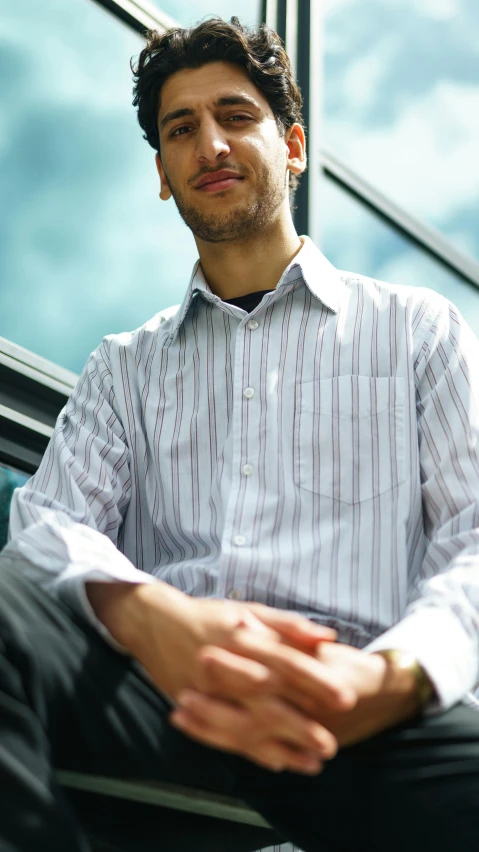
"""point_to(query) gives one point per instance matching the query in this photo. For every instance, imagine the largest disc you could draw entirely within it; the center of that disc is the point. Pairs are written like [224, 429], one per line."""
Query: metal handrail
[165, 795]
[20, 419]
[36, 367]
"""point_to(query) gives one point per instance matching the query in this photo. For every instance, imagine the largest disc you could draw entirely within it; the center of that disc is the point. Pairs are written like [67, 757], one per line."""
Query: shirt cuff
[61, 556]
[441, 646]
[73, 592]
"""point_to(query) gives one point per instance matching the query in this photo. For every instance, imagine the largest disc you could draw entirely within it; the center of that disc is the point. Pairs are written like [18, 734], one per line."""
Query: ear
[165, 191]
[296, 144]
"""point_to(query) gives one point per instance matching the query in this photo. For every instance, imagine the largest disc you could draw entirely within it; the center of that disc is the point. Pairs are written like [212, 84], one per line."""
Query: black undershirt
[249, 302]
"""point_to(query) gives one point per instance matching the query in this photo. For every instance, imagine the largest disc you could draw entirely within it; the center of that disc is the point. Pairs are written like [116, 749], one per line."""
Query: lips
[216, 181]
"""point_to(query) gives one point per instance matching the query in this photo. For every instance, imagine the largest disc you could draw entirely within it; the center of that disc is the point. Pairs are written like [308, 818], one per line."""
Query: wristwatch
[407, 660]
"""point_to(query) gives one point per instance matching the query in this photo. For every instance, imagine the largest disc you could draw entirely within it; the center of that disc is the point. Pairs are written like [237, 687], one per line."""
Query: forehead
[193, 87]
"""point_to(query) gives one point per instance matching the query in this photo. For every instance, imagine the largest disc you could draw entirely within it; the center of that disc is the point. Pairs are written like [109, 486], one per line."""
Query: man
[288, 436]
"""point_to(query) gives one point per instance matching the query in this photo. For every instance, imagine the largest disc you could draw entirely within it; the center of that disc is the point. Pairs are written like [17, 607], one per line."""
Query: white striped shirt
[318, 454]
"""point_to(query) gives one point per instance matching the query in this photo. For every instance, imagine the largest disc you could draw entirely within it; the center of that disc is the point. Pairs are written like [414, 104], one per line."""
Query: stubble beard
[241, 223]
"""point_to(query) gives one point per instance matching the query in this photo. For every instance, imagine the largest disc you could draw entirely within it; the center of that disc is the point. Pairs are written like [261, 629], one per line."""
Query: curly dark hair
[258, 50]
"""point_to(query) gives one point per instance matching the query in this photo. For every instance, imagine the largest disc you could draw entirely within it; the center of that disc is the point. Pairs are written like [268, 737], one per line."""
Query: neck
[236, 268]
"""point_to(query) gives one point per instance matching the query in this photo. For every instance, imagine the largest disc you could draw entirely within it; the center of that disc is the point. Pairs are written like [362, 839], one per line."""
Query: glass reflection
[86, 246]
[401, 96]
[188, 12]
[356, 239]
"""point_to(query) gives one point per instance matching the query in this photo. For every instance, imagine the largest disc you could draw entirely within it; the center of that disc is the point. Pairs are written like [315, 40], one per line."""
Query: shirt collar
[320, 276]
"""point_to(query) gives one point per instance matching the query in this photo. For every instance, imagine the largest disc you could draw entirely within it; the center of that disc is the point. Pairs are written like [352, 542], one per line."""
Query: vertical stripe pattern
[318, 454]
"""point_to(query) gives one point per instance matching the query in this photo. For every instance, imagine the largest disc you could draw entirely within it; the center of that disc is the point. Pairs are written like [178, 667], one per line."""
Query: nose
[211, 142]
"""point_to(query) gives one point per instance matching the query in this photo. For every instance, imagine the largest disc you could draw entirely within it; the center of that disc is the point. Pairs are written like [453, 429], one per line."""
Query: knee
[17, 593]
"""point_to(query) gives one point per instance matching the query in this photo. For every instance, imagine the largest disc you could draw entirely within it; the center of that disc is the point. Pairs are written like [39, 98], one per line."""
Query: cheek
[172, 172]
[267, 155]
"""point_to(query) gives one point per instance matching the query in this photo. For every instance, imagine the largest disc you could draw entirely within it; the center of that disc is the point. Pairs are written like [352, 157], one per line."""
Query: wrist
[126, 609]
[405, 677]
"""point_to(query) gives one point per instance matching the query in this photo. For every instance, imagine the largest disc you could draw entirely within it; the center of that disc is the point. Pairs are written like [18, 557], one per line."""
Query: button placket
[236, 542]
[234, 595]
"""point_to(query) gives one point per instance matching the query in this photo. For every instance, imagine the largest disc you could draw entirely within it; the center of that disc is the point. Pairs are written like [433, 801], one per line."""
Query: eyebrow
[227, 100]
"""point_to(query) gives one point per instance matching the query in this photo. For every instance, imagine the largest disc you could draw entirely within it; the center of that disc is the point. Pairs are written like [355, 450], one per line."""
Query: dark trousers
[67, 700]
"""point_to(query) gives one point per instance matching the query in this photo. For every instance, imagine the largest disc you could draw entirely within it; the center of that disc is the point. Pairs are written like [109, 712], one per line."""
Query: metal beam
[165, 795]
[303, 76]
[32, 366]
[22, 420]
[140, 15]
[269, 13]
[428, 238]
[314, 126]
[292, 32]
[281, 19]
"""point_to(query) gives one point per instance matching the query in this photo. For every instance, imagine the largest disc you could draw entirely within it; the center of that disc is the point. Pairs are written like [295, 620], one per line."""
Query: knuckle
[223, 740]
[277, 712]
[273, 755]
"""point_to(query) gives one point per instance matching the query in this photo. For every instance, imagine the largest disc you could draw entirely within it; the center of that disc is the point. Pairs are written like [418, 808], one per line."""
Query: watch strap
[406, 660]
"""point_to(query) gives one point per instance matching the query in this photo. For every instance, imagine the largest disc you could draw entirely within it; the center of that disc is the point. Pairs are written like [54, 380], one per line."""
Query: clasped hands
[288, 696]
[262, 683]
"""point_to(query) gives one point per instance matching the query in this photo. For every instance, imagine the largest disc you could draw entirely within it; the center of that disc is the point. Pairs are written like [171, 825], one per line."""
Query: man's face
[213, 120]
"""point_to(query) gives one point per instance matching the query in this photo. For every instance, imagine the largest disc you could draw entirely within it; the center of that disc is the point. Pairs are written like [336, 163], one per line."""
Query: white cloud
[426, 160]
[438, 9]
[441, 10]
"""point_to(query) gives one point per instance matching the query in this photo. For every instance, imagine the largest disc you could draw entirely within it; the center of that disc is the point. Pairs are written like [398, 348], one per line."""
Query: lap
[100, 715]
[99, 711]
[410, 787]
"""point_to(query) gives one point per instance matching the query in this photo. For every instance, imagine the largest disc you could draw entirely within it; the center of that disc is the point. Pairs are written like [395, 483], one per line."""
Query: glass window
[357, 239]
[401, 97]
[9, 480]
[188, 12]
[86, 246]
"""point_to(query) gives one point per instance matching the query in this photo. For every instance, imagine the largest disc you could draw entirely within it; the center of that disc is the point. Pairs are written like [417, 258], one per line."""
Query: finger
[293, 626]
[250, 620]
[228, 675]
[279, 757]
[274, 755]
[260, 720]
[235, 676]
[321, 682]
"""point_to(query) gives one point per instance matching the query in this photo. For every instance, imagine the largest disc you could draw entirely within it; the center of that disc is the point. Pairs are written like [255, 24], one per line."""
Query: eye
[178, 130]
[240, 117]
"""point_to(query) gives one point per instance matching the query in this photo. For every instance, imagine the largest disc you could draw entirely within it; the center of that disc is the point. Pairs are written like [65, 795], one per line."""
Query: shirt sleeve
[65, 522]
[441, 623]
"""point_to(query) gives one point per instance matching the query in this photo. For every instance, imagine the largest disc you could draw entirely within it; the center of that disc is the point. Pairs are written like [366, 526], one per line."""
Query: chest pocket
[351, 437]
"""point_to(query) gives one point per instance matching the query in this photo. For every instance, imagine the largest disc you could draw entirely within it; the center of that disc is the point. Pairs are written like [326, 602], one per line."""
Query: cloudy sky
[402, 104]
[87, 248]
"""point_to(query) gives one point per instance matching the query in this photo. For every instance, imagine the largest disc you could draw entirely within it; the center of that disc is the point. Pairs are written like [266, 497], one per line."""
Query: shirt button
[234, 595]
[239, 540]
[252, 324]
[248, 392]
[248, 469]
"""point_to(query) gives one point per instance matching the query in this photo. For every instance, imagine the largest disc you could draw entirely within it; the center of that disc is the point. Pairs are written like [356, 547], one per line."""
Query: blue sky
[87, 248]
